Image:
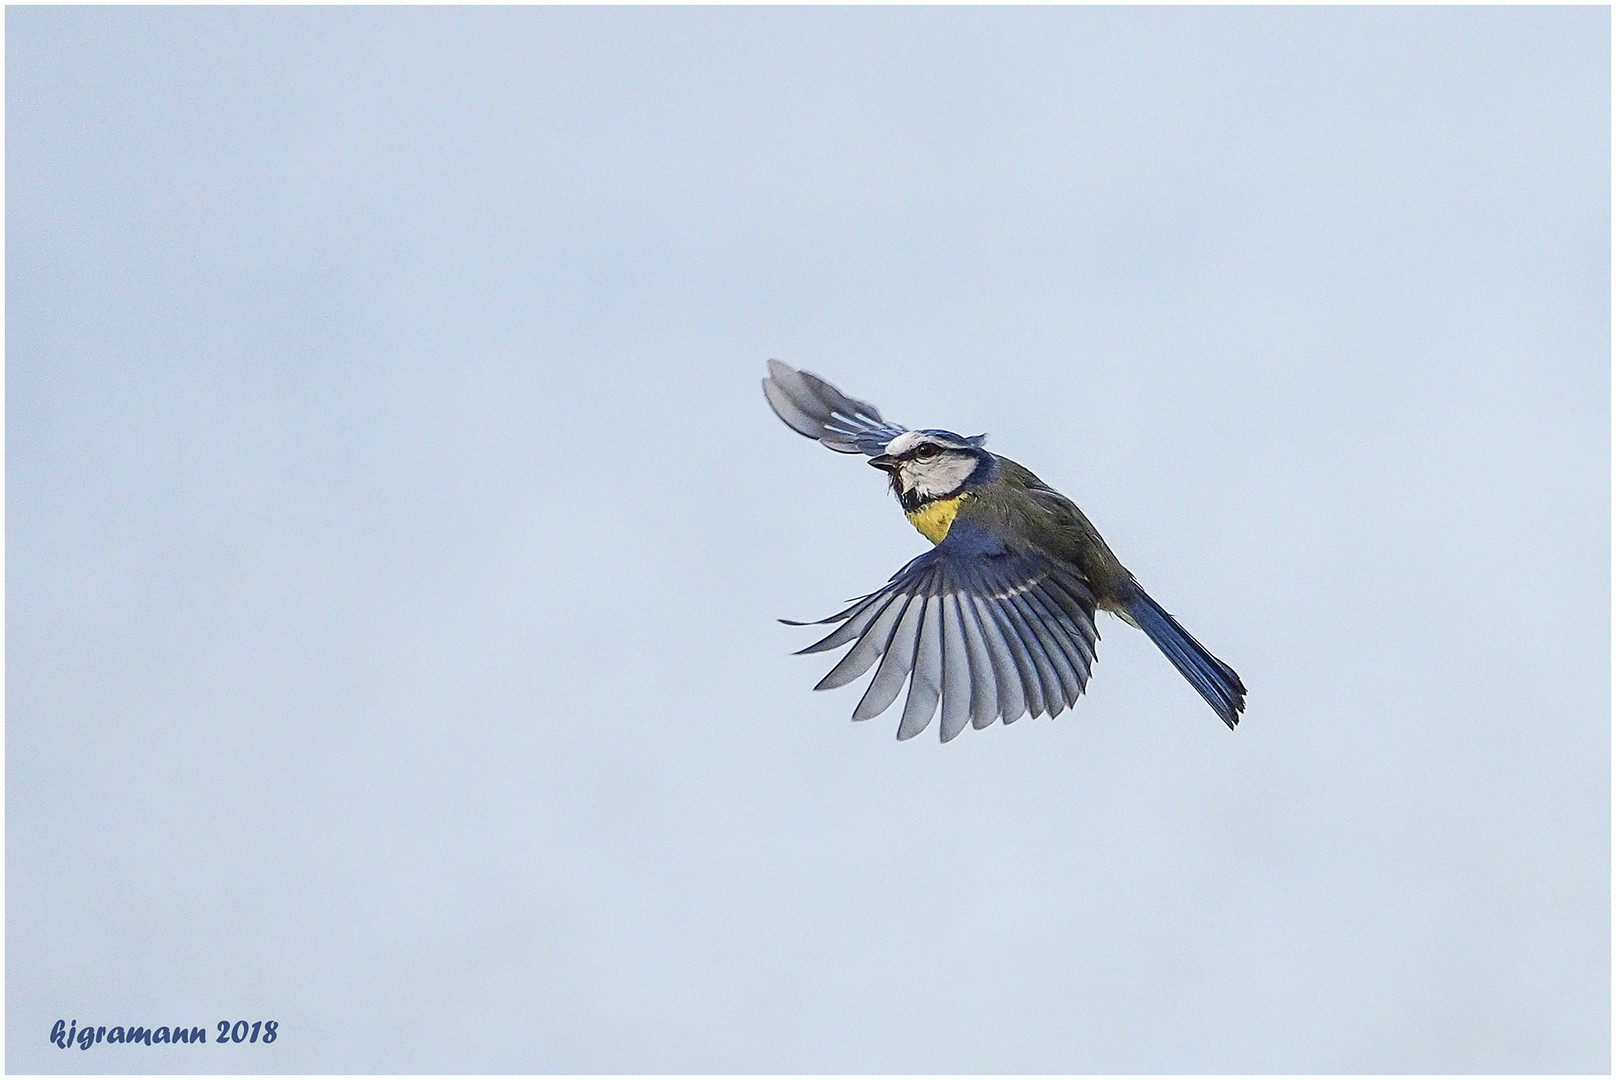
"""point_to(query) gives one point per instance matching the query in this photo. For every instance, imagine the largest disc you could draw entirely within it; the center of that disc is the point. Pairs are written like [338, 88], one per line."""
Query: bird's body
[997, 619]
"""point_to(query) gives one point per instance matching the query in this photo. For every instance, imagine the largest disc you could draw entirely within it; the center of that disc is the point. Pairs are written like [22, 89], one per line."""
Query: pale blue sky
[396, 530]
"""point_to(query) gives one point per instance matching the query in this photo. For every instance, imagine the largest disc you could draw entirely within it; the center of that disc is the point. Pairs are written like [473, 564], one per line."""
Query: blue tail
[1211, 677]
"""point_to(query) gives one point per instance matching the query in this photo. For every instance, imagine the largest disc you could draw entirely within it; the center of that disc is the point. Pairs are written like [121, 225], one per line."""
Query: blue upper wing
[813, 407]
[983, 630]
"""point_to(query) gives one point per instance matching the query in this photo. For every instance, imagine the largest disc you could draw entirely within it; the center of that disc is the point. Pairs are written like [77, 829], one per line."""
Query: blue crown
[959, 440]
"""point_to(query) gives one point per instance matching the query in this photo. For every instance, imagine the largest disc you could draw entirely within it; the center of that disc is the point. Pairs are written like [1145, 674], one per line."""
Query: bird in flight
[997, 619]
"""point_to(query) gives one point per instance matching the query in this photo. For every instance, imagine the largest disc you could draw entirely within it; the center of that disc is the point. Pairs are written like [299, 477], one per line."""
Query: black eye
[926, 450]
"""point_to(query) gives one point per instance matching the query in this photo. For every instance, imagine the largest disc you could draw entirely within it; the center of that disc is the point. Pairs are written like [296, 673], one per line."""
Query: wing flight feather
[813, 407]
[986, 632]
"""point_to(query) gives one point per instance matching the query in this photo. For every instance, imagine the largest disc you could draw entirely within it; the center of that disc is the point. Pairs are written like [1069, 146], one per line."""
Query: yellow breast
[933, 519]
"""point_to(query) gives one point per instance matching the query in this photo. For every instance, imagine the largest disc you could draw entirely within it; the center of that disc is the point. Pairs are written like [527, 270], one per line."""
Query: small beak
[885, 462]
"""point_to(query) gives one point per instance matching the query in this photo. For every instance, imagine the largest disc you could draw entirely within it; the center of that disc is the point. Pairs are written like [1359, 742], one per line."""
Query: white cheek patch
[940, 476]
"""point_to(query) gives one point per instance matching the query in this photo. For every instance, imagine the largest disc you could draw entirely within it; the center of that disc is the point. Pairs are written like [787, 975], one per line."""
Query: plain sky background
[396, 532]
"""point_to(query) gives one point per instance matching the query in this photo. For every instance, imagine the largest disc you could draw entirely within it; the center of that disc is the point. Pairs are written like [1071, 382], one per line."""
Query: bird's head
[930, 464]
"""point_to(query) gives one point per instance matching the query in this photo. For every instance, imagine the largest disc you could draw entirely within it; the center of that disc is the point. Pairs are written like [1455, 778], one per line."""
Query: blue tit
[997, 619]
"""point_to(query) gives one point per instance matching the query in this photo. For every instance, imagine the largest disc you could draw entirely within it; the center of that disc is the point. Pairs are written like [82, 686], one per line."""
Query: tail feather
[1212, 678]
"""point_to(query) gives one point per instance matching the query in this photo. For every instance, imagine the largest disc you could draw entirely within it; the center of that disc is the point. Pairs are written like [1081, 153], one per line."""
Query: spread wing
[987, 632]
[813, 407]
